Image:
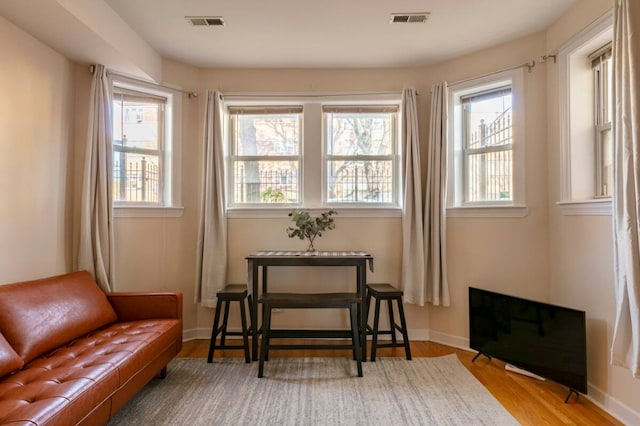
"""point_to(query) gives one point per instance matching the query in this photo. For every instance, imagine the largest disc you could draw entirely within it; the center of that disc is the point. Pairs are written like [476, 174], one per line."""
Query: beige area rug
[315, 391]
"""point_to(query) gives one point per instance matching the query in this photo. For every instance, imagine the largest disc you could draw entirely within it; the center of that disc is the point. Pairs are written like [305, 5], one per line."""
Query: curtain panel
[96, 243]
[625, 348]
[435, 205]
[211, 255]
[412, 279]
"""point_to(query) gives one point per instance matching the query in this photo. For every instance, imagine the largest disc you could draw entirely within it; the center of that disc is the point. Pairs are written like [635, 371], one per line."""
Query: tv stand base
[514, 369]
[571, 390]
[480, 353]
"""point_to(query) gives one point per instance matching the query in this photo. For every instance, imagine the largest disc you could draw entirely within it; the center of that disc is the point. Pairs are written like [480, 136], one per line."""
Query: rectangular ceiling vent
[409, 18]
[206, 21]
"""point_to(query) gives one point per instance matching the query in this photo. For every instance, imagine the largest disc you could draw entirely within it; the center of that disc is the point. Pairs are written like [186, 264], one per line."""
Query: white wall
[546, 256]
[152, 252]
[36, 118]
[581, 249]
[517, 260]
[507, 255]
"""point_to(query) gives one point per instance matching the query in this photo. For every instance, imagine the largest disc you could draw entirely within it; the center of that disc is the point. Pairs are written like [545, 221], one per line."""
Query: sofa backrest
[41, 315]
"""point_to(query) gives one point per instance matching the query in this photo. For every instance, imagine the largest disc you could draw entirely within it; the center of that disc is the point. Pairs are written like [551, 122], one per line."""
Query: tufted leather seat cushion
[9, 359]
[61, 385]
[38, 316]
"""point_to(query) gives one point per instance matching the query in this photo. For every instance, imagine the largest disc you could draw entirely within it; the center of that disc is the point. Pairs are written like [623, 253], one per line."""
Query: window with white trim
[487, 145]
[265, 155]
[603, 85]
[486, 138]
[313, 152]
[146, 149]
[586, 149]
[361, 160]
[138, 144]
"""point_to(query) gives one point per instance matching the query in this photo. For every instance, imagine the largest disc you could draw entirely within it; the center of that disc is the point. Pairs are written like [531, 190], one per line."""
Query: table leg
[362, 320]
[253, 277]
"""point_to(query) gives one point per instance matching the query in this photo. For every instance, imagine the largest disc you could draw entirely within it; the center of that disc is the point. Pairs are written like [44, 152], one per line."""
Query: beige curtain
[625, 349]
[435, 208]
[96, 245]
[412, 280]
[211, 266]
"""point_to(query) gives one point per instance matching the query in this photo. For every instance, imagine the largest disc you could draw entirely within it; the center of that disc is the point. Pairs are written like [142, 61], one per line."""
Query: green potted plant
[309, 227]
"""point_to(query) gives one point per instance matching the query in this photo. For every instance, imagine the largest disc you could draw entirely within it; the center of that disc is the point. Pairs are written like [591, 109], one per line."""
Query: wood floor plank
[530, 401]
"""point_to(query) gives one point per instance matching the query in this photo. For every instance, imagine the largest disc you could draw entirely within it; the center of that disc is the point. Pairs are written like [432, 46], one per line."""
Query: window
[486, 138]
[602, 84]
[138, 143]
[313, 152]
[265, 155]
[360, 154]
[586, 150]
[146, 150]
[487, 145]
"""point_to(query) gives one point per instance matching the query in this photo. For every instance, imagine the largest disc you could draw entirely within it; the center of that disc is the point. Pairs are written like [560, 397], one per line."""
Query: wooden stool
[272, 301]
[231, 293]
[389, 293]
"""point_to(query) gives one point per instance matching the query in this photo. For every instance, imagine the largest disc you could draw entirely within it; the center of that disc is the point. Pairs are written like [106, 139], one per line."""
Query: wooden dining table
[265, 259]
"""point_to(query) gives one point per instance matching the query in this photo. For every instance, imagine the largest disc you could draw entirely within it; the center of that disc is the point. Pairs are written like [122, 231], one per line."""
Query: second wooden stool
[231, 293]
[389, 293]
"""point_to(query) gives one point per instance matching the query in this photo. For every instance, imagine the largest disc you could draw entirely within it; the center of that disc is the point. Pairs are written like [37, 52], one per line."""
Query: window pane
[606, 166]
[488, 121]
[489, 176]
[136, 123]
[265, 182]
[266, 134]
[608, 75]
[360, 133]
[360, 181]
[136, 177]
[488, 139]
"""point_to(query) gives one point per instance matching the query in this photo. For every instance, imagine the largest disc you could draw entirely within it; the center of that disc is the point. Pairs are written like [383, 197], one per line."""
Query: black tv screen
[544, 339]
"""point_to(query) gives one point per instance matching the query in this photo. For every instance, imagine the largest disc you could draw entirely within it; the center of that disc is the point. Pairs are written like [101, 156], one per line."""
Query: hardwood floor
[530, 401]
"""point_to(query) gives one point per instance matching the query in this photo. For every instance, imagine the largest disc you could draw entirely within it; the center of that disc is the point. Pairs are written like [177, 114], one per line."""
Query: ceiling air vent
[409, 18]
[206, 21]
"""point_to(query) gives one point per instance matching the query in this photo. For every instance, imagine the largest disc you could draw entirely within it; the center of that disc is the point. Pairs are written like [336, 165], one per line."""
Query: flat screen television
[544, 339]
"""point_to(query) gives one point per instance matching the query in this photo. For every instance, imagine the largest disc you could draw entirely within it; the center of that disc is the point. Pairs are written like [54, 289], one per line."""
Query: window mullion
[488, 149]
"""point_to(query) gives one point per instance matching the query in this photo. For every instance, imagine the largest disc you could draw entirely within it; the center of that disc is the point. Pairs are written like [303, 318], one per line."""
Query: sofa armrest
[132, 306]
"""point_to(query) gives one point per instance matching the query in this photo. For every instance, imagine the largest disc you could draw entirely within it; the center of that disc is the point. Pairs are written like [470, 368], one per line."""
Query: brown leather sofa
[69, 354]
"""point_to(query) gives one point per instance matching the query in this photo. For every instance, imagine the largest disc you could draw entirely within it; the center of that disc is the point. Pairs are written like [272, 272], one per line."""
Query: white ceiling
[132, 35]
[331, 33]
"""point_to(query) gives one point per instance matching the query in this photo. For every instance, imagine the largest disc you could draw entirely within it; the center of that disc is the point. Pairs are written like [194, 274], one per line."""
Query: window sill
[488, 211]
[147, 211]
[280, 213]
[595, 207]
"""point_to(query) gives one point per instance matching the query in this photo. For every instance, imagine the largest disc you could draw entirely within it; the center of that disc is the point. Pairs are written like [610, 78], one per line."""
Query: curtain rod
[306, 94]
[529, 65]
[190, 94]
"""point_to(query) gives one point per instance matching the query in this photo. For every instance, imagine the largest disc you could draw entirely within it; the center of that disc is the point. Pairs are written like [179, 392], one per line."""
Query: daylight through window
[602, 79]
[487, 145]
[265, 155]
[361, 158]
[138, 144]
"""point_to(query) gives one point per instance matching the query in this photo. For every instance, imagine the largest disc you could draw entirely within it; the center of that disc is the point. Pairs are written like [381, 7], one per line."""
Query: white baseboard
[205, 333]
[196, 333]
[603, 400]
[611, 405]
[449, 340]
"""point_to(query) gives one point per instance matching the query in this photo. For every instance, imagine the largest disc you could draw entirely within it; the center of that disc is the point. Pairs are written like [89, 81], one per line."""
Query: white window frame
[171, 172]
[578, 155]
[313, 152]
[232, 157]
[394, 157]
[603, 120]
[456, 204]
